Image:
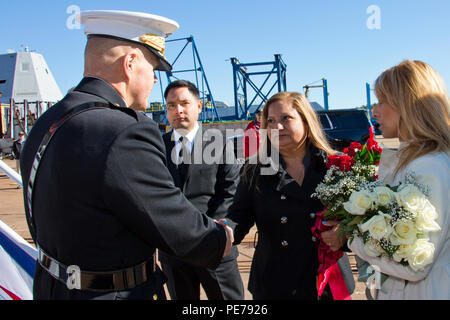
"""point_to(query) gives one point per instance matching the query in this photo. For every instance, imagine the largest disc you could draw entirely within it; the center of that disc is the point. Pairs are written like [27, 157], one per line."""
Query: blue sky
[316, 39]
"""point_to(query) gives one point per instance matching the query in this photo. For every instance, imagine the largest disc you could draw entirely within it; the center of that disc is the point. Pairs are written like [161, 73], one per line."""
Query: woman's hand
[331, 237]
[229, 233]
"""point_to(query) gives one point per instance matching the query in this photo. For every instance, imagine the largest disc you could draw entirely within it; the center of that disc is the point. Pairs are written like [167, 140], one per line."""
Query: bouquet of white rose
[395, 221]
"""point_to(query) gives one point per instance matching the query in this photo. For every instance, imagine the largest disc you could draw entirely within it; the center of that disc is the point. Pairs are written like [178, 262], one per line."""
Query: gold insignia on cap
[154, 41]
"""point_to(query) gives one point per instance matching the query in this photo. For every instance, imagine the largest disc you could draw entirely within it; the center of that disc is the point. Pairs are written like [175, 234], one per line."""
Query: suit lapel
[170, 146]
[197, 147]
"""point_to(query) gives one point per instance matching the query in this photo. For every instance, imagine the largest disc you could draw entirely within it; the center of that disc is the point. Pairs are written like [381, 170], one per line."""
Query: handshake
[230, 236]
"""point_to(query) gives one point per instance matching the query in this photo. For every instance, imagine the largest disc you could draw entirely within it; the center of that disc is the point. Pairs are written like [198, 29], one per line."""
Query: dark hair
[182, 84]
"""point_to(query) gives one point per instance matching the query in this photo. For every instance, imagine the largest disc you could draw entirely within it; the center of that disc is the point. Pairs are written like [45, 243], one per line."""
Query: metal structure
[21, 116]
[209, 111]
[26, 76]
[243, 83]
[28, 85]
[369, 104]
[325, 90]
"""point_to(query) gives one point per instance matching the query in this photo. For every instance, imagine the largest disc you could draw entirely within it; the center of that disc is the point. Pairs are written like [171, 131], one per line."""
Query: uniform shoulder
[119, 117]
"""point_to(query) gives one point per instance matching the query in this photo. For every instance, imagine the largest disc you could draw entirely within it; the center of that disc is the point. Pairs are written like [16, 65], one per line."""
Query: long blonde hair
[419, 95]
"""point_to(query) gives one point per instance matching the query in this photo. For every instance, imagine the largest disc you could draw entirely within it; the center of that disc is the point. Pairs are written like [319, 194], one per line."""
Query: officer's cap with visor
[146, 29]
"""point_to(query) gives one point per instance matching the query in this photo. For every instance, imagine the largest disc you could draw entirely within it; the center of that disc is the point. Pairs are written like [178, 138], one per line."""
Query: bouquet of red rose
[347, 172]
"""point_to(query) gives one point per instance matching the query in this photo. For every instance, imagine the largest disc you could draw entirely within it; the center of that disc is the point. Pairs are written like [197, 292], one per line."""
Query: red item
[10, 294]
[344, 162]
[351, 148]
[372, 145]
[332, 160]
[251, 139]
[329, 271]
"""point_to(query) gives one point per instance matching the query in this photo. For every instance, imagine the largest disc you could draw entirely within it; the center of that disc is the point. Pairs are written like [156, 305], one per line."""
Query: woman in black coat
[285, 263]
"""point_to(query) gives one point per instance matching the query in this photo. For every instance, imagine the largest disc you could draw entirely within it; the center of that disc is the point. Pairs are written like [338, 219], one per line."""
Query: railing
[21, 115]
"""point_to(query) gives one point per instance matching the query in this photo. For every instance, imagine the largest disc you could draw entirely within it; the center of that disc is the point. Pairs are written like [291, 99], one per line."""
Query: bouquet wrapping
[397, 222]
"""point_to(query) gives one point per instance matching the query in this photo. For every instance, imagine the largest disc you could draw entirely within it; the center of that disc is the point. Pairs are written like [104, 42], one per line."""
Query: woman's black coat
[285, 264]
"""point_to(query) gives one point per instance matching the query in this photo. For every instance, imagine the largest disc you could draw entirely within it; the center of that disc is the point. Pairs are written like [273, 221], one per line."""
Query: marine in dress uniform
[102, 200]
[210, 188]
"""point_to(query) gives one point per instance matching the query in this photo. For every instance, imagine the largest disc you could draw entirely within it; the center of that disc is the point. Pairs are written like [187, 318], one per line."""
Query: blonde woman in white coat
[413, 105]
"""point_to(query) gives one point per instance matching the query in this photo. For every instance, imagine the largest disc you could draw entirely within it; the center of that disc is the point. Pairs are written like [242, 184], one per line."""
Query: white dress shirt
[176, 135]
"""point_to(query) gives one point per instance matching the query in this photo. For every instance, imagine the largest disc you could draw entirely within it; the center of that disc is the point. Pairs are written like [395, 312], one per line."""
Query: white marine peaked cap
[146, 29]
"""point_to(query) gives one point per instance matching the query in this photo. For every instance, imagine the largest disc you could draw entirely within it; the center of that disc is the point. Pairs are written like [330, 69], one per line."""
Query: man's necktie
[184, 158]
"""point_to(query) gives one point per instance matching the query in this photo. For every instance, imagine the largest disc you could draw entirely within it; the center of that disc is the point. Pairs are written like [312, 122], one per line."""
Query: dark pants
[184, 280]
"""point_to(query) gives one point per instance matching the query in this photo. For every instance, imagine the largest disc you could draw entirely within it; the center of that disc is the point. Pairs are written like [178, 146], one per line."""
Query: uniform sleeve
[140, 191]
[436, 175]
[241, 212]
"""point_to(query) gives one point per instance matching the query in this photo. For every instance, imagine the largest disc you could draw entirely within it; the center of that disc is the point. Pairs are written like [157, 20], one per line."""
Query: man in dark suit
[17, 149]
[101, 200]
[209, 186]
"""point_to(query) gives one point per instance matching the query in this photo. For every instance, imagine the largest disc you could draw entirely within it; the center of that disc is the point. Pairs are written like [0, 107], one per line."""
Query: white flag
[17, 263]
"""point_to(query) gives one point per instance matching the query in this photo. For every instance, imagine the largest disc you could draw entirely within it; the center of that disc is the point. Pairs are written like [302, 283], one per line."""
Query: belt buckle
[73, 277]
[49, 264]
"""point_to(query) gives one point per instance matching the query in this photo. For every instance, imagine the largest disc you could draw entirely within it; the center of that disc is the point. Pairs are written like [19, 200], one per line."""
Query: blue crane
[243, 83]
[325, 90]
